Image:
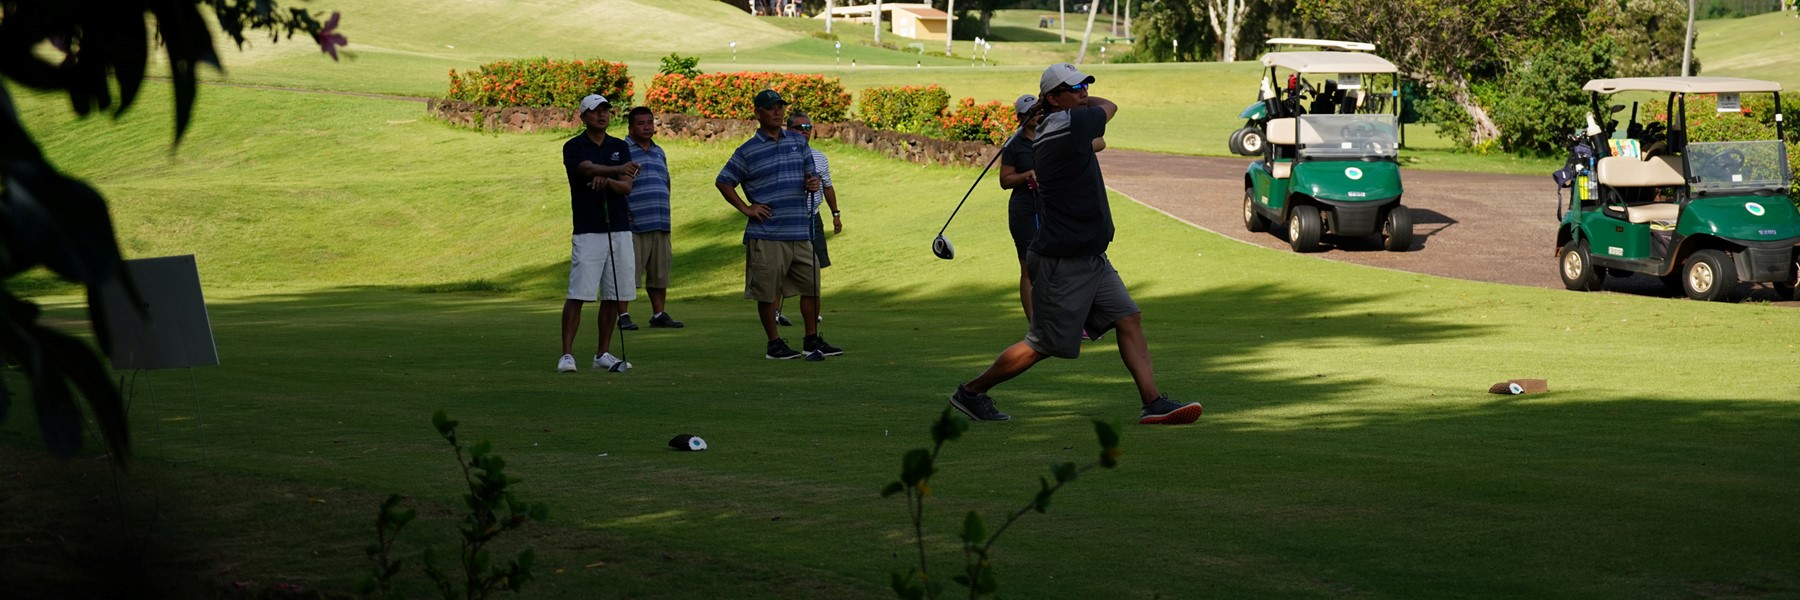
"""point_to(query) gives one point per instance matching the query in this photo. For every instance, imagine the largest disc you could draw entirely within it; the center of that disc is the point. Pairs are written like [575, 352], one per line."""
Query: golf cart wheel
[1305, 228]
[1236, 143]
[1254, 222]
[1396, 229]
[1785, 289]
[1708, 275]
[1577, 267]
[1251, 141]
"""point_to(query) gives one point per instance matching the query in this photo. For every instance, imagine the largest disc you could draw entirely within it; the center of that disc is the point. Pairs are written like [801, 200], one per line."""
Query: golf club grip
[984, 172]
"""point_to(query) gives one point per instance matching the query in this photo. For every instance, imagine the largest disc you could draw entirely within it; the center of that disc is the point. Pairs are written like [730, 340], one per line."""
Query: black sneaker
[625, 323]
[818, 343]
[663, 320]
[1166, 412]
[979, 407]
[782, 320]
[779, 350]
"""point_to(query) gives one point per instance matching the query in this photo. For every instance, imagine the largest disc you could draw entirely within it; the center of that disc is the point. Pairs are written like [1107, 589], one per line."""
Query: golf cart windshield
[1724, 167]
[1348, 136]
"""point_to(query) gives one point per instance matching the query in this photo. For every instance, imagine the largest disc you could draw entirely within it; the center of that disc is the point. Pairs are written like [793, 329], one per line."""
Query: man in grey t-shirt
[1074, 286]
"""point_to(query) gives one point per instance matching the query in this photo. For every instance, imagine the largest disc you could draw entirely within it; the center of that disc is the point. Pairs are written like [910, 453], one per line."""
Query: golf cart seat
[1281, 132]
[1631, 171]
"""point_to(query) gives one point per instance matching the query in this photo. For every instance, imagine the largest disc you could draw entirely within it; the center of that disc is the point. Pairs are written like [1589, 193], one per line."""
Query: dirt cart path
[1482, 227]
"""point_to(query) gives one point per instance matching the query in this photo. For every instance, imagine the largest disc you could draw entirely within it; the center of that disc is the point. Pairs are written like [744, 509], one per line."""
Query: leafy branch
[916, 470]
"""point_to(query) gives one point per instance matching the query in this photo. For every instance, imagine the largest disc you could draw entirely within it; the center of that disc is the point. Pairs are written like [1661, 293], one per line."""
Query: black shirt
[1017, 154]
[1074, 218]
[596, 211]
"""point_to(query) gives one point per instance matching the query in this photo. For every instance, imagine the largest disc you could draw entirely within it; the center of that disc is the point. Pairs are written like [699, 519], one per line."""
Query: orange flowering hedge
[991, 121]
[908, 108]
[542, 82]
[729, 95]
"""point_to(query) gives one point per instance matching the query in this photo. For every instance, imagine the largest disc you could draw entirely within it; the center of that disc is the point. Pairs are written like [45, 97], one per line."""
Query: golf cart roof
[1332, 44]
[1682, 85]
[1329, 62]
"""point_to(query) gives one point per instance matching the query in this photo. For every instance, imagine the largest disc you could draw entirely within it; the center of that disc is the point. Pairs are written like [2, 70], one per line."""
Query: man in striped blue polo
[649, 218]
[775, 168]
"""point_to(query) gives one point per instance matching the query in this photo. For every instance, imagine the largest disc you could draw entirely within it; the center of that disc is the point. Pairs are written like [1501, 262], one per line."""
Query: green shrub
[677, 64]
[1539, 101]
[909, 109]
[991, 121]
[729, 95]
[542, 82]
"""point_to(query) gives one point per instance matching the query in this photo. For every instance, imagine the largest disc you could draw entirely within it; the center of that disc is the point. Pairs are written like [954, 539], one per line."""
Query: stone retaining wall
[904, 146]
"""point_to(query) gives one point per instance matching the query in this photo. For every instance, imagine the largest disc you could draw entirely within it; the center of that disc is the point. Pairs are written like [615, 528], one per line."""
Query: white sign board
[1349, 81]
[1729, 103]
[173, 329]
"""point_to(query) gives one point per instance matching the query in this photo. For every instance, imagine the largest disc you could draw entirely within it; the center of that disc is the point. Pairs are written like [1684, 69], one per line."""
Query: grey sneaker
[979, 407]
[663, 320]
[566, 364]
[779, 350]
[625, 323]
[1167, 412]
[782, 320]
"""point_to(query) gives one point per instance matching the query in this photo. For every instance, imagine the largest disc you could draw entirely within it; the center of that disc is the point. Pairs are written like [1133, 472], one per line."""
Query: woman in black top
[1018, 173]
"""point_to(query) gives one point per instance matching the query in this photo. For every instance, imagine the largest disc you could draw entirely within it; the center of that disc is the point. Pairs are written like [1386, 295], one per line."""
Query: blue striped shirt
[773, 172]
[650, 189]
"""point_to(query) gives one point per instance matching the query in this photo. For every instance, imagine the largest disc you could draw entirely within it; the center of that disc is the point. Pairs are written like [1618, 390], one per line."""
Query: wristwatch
[834, 214]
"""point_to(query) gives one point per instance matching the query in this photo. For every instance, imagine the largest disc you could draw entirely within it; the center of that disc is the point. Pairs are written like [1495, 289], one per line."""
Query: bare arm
[589, 169]
[754, 211]
[1105, 105]
[1011, 178]
[837, 225]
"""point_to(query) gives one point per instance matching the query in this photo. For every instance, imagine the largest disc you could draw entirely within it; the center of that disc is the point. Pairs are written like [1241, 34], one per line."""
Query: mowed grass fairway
[367, 267]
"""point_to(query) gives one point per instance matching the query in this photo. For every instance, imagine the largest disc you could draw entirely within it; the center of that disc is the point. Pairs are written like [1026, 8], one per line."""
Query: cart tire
[1235, 143]
[1305, 228]
[1251, 141]
[1709, 275]
[1396, 229]
[1577, 267]
[1254, 222]
[1785, 289]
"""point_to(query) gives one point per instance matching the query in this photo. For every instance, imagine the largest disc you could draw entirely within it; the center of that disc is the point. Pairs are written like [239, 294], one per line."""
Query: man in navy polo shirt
[775, 168]
[1073, 285]
[600, 265]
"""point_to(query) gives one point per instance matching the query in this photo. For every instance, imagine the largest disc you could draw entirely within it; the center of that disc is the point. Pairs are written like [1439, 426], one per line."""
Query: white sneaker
[566, 364]
[611, 363]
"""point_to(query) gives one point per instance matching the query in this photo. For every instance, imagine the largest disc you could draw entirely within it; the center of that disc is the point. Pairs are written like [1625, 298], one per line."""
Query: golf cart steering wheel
[1360, 131]
[1726, 163]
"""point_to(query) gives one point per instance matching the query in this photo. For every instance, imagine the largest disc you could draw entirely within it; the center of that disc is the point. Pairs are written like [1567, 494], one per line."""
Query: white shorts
[592, 268]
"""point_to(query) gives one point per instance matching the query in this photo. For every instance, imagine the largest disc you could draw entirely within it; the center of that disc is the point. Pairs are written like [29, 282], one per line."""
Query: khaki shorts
[653, 257]
[775, 269]
[1069, 294]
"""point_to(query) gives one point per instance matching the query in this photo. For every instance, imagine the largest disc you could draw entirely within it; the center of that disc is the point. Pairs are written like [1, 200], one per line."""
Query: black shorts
[818, 241]
[1023, 221]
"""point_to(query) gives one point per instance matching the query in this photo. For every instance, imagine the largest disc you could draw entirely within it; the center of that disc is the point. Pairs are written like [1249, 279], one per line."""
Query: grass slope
[1755, 47]
[1350, 448]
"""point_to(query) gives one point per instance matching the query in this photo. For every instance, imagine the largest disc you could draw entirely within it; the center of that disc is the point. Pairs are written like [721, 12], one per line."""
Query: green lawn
[1755, 47]
[1349, 447]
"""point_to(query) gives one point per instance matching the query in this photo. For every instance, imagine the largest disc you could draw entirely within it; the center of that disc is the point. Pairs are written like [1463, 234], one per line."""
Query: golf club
[941, 245]
[814, 355]
[612, 264]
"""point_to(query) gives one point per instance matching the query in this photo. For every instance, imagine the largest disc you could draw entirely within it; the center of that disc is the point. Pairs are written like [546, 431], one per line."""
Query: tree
[1451, 44]
[52, 220]
[1227, 20]
[1647, 35]
[1161, 22]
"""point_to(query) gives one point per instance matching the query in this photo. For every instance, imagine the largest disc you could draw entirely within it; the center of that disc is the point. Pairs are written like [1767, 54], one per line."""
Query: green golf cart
[1702, 216]
[1329, 168]
[1248, 140]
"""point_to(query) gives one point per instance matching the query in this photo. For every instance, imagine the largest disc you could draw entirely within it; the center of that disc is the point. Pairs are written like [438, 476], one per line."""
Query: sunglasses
[801, 127]
[1074, 88]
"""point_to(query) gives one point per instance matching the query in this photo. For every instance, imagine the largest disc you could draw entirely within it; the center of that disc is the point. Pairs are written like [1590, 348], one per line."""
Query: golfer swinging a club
[1073, 284]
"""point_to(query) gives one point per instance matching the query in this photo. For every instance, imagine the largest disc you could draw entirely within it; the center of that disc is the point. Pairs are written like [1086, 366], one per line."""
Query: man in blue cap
[775, 168]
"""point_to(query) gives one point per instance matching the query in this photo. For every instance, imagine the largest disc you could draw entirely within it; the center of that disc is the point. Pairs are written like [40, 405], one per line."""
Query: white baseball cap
[1062, 74]
[594, 101]
[1024, 104]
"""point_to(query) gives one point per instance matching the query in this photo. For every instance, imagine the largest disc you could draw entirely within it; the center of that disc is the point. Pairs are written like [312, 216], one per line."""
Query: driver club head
[815, 356]
[619, 367]
[942, 248]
